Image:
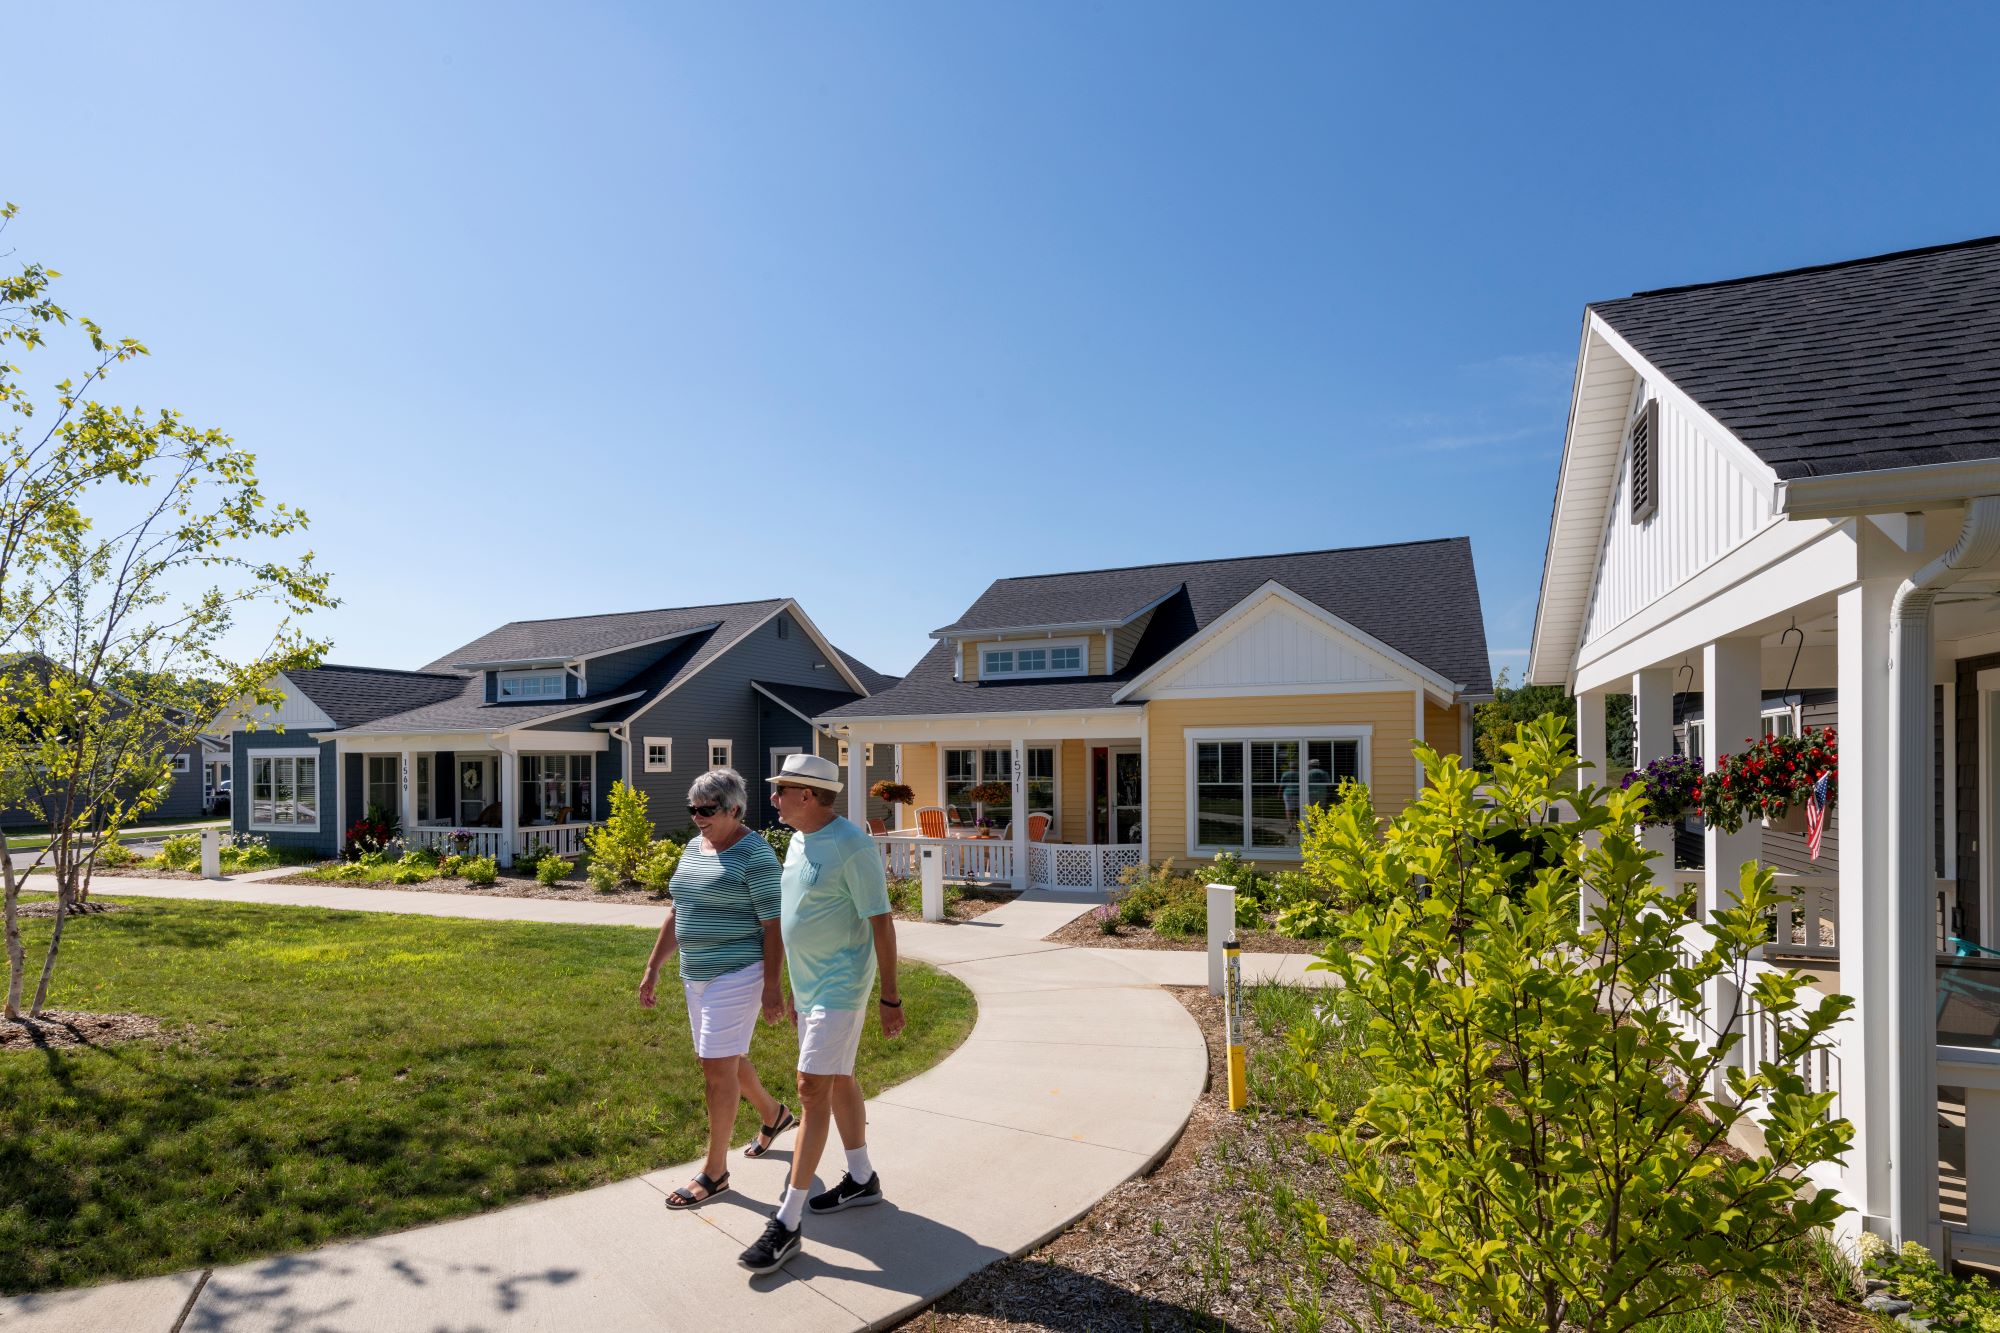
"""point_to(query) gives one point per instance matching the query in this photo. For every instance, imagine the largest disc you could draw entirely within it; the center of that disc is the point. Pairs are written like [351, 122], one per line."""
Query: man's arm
[774, 971]
[891, 1010]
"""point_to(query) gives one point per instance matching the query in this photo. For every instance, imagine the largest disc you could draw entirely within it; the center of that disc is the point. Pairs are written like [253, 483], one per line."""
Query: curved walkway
[1079, 1074]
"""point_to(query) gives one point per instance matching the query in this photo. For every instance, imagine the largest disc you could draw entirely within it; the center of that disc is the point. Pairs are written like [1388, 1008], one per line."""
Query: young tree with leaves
[131, 544]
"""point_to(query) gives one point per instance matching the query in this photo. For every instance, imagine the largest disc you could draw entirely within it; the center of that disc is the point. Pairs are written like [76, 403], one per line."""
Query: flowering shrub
[373, 832]
[1769, 778]
[1673, 788]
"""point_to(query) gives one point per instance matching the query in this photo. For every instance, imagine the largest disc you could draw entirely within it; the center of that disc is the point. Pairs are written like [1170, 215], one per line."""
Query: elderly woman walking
[724, 921]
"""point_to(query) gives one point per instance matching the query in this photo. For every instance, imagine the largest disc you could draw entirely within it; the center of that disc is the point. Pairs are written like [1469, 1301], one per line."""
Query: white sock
[793, 1210]
[858, 1165]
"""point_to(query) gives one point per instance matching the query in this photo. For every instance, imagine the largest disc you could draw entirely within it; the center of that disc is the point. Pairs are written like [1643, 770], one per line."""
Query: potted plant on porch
[1772, 778]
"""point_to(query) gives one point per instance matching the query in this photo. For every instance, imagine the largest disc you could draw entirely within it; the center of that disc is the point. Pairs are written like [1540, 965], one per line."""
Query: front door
[475, 790]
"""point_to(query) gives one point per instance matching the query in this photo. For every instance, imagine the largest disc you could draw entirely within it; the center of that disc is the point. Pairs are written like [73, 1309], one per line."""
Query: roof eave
[1895, 490]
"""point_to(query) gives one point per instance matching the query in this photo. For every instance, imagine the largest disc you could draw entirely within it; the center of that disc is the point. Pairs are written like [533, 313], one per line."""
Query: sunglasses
[703, 811]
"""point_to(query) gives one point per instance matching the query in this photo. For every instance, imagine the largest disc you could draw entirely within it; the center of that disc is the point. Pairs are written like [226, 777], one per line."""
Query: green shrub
[1250, 884]
[534, 854]
[1183, 914]
[111, 853]
[373, 857]
[481, 870]
[181, 852]
[408, 874]
[247, 851]
[780, 838]
[550, 869]
[1961, 1305]
[616, 846]
[907, 896]
[425, 858]
[451, 865]
[657, 867]
[1541, 1143]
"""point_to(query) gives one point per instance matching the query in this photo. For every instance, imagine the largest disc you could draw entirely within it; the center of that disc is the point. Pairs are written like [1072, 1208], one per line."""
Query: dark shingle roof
[874, 680]
[581, 636]
[466, 709]
[1421, 598]
[807, 701]
[1095, 597]
[1886, 362]
[352, 695]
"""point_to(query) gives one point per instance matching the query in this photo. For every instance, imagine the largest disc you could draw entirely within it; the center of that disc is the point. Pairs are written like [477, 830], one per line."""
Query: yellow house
[1174, 711]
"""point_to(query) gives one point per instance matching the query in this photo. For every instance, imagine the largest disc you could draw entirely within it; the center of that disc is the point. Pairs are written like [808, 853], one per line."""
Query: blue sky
[548, 310]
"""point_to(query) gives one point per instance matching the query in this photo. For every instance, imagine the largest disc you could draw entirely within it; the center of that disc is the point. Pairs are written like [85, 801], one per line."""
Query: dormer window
[529, 684]
[1645, 462]
[1013, 661]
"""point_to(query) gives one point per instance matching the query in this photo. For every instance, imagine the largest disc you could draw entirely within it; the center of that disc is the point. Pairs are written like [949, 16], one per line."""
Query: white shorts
[828, 1039]
[723, 1012]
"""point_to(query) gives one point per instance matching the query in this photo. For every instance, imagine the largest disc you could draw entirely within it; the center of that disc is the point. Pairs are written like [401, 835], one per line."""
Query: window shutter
[1646, 462]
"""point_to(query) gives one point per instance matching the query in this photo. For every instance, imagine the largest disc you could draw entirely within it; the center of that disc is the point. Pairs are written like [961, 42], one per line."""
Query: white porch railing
[1978, 1073]
[1051, 865]
[1816, 907]
[562, 839]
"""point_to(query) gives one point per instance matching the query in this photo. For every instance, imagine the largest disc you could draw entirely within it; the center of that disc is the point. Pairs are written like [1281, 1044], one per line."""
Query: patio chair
[489, 817]
[877, 826]
[957, 820]
[930, 821]
[1038, 825]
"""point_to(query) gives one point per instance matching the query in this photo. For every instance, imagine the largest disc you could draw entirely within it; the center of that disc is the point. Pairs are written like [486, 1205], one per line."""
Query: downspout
[1913, 1138]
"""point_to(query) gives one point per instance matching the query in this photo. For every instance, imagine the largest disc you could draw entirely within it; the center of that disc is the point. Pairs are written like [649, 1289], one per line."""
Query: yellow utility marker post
[1232, 1011]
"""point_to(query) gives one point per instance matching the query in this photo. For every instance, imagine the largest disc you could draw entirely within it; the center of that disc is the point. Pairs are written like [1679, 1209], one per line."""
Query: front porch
[480, 795]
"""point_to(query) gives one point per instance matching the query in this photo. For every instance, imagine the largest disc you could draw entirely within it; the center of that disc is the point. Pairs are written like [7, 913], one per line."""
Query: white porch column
[1145, 798]
[410, 791]
[339, 797]
[1592, 752]
[857, 781]
[1732, 704]
[1653, 721]
[510, 793]
[1020, 809]
[1867, 1056]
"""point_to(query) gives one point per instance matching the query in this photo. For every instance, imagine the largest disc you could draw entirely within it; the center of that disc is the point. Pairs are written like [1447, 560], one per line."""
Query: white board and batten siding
[1279, 647]
[296, 713]
[1709, 503]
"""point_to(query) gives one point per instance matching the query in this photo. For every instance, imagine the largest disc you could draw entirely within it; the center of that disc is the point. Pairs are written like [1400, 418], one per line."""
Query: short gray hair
[723, 787]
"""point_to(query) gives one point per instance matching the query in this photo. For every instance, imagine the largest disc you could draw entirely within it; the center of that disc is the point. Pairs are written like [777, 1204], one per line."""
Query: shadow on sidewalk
[885, 1248]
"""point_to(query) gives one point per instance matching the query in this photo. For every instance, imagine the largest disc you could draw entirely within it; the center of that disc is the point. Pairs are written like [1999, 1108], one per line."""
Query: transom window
[385, 784]
[659, 754]
[531, 684]
[284, 792]
[555, 788]
[1249, 793]
[1056, 658]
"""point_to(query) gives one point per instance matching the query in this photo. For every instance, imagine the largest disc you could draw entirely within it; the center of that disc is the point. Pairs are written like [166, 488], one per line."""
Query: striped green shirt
[721, 901]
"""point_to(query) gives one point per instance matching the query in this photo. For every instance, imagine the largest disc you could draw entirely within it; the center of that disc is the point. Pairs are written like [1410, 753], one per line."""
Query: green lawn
[353, 1074]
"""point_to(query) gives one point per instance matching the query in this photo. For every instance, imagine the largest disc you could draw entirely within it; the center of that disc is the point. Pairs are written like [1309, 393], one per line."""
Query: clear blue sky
[542, 310]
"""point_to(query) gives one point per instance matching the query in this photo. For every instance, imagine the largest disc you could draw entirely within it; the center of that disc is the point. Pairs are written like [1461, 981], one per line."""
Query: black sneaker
[777, 1245]
[847, 1194]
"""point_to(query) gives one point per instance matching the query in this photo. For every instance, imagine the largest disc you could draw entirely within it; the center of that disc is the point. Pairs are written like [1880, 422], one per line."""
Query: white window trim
[1793, 711]
[1015, 646]
[646, 754]
[728, 749]
[180, 763]
[250, 800]
[502, 679]
[1054, 748]
[1365, 734]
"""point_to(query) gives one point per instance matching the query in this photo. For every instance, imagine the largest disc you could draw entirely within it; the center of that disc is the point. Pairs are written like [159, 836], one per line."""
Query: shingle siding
[245, 743]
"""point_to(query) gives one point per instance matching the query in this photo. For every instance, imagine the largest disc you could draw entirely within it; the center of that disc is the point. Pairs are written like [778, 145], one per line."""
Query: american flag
[1816, 814]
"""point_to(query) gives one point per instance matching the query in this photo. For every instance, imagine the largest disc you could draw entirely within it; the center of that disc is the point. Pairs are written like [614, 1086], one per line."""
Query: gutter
[1912, 1026]
[1887, 490]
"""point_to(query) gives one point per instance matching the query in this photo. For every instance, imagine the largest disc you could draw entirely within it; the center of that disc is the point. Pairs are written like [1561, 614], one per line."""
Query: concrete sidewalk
[1078, 1075]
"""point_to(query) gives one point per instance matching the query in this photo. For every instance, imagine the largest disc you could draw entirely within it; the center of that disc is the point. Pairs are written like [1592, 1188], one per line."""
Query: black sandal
[684, 1197]
[769, 1133]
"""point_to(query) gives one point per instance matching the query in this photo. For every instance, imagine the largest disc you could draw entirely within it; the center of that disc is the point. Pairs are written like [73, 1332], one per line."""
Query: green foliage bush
[1959, 1305]
[1176, 902]
[907, 896]
[112, 853]
[451, 865]
[421, 858]
[1541, 1144]
[620, 843]
[780, 838]
[550, 869]
[657, 867]
[1182, 914]
[482, 870]
[180, 852]
[401, 873]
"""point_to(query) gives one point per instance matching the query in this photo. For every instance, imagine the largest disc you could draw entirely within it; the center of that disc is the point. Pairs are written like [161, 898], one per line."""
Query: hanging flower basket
[893, 793]
[1770, 779]
[1673, 786]
[989, 793]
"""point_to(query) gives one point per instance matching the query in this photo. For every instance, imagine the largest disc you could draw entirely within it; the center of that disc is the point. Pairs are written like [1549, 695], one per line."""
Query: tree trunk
[17, 958]
[64, 875]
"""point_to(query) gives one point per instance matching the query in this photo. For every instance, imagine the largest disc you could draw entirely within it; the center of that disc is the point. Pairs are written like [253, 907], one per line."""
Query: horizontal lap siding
[1441, 729]
[920, 772]
[1073, 787]
[1392, 768]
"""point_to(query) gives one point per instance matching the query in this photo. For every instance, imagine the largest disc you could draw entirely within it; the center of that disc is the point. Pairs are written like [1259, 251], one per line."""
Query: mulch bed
[1084, 932]
[47, 907]
[131, 872]
[971, 902]
[62, 1028]
[507, 886]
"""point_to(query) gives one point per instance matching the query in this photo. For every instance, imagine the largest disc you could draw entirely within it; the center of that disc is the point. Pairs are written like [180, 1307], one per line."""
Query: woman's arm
[663, 949]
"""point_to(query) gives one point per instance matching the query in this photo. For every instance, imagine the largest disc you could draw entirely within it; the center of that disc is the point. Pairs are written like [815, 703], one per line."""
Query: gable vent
[1646, 462]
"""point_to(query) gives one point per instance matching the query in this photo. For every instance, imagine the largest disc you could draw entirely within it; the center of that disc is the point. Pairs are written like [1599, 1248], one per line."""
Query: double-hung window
[965, 769]
[1247, 792]
[529, 684]
[284, 792]
[422, 778]
[555, 788]
[385, 784]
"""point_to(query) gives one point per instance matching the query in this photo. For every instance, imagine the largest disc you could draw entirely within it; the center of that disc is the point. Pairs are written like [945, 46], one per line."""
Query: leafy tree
[115, 526]
[1493, 723]
[618, 846]
[1542, 1139]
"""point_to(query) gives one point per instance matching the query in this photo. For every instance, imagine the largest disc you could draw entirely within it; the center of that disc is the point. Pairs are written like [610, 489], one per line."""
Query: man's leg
[850, 1112]
[815, 1114]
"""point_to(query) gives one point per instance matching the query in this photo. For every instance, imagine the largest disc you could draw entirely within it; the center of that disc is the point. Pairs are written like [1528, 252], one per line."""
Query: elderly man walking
[837, 929]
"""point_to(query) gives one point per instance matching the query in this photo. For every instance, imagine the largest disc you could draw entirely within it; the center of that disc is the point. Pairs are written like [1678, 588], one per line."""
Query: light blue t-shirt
[832, 884]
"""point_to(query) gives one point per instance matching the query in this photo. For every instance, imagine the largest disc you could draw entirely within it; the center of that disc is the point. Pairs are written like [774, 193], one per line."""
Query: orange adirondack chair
[1038, 826]
[930, 821]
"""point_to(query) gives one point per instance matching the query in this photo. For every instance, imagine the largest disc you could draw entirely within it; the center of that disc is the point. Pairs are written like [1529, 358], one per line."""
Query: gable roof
[805, 701]
[566, 638]
[352, 695]
[1420, 598]
[1891, 361]
[874, 681]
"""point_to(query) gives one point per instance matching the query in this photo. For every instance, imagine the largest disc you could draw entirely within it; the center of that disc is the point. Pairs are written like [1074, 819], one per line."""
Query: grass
[31, 842]
[351, 1074]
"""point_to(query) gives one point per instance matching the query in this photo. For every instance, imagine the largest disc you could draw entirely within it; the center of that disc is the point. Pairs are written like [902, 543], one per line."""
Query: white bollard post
[211, 853]
[930, 872]
[1221, 930]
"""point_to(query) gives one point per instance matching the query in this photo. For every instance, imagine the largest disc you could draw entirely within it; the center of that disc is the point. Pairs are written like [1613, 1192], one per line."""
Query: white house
[1820, 448]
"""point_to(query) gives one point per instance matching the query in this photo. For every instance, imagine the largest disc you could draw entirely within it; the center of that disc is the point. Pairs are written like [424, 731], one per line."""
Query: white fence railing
[1051, 865]
[562, 839]
[1978, 1073]
[1815, 915]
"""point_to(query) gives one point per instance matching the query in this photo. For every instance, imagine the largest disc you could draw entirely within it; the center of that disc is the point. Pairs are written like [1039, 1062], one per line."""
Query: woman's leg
[754, 1091]
[723, 1095]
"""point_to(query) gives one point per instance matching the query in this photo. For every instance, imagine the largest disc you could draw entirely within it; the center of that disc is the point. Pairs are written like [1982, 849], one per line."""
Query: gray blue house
[515, 739]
